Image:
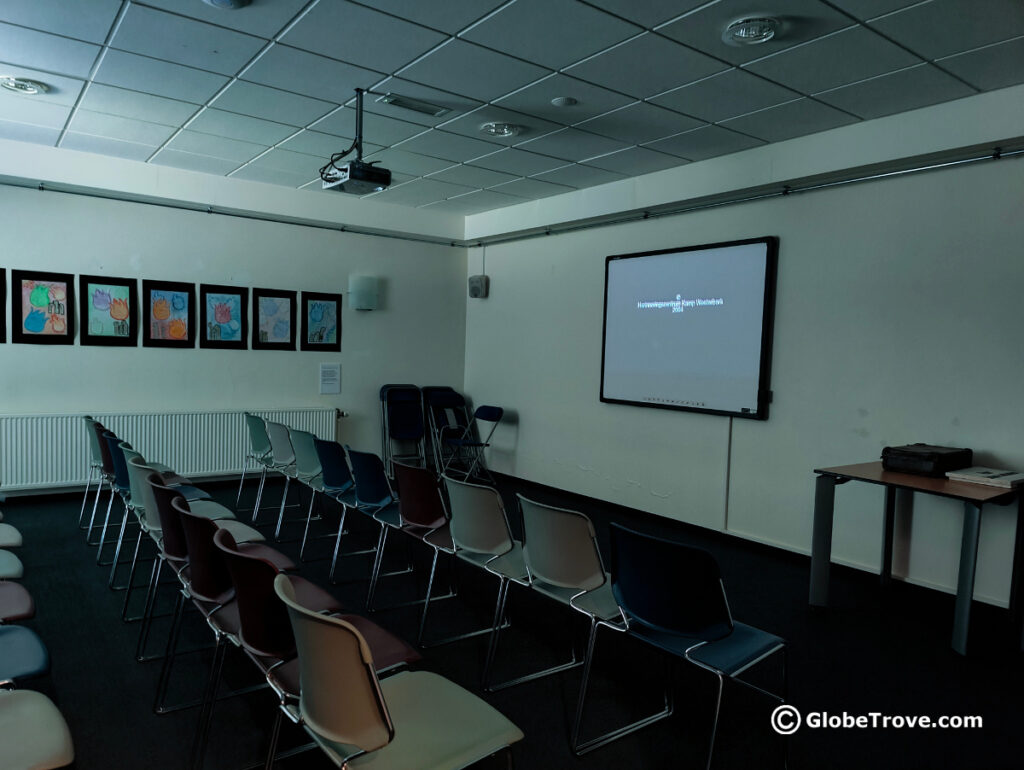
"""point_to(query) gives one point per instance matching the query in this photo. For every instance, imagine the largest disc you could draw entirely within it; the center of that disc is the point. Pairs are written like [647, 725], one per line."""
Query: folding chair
[403, 431]
[447, 417]
[468, 450]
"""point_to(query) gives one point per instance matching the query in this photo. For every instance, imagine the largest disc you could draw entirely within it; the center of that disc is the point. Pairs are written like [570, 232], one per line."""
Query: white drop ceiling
[266, 93]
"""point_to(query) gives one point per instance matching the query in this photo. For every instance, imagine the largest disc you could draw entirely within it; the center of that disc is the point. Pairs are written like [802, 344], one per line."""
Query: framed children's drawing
[273, 319]
[321, 321]
[169, 314]
[108, 310]
[223, 317]
[42, 307]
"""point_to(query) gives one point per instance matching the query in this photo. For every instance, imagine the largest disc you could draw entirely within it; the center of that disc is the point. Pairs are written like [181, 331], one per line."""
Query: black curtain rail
[876, 172]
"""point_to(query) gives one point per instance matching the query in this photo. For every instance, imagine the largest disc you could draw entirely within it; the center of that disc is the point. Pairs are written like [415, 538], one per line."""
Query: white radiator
[44, 451]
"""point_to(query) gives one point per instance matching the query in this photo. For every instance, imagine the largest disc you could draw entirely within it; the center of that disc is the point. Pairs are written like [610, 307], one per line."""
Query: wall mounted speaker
[479, 286]
[363, 291]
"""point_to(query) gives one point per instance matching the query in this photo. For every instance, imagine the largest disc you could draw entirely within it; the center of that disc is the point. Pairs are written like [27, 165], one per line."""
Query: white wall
[898, 319]
[417, 334]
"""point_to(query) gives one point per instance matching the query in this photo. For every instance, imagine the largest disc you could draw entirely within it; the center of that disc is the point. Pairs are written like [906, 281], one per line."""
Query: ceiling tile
[897, 92]
[184, 41]
[845, 57]
[141, 73]
[323, 145]
[635, 161]
[471, 176]
[706, 142]
[519, 162]
[408, 162]
[133, 104]
[307, 73]
[455, 104]
[640, 123]
[573, 144]
[235, 126]
[442, 144]
[945, 27]
[570, 31]
[991, 67]
[116, 127]
[469, 69]
[261, 19]
[725, 95]
[797, 118]
[22, 109]
[24, 132]
[591, 100]
[869, 9]
[803, 20]
[469, 125]
[474, 202]
[83, 21]
[449, 16]
[645, 66]
[215, 146]
[532, 189]
[29, 48]
[580, 175]
[254, 173]
[421, 191]
[361, 36]
[194, 162]
[648, 13]
[62, 90]
[103, 145]
[271, 104]
[292, 162]
[376, 128]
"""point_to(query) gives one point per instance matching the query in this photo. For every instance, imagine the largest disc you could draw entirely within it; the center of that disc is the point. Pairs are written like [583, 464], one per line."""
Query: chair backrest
[333, 465]
[560, 546]
[141, 491]
[172, 535]
[419, 496]
[489, 413]
[403, 405]
[209, 579]
[117, 460]
[370, 480]
[263, 618]
[280, 444]
[478, 521]
[447, 409]
[307, 462]
[340, 697]
[101, 442]
[668, 586]
[95, 455]
[259, 441]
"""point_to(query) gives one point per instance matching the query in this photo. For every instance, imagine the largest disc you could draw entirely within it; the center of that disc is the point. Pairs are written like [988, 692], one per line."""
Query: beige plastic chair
[11, 567]
[412, 719]
[33, 733]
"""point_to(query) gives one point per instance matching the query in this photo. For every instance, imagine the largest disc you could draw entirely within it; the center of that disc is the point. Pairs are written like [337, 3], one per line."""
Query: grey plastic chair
[259, 452]
[411, 719]
[307, 470]
[95, 466]
[282, 460]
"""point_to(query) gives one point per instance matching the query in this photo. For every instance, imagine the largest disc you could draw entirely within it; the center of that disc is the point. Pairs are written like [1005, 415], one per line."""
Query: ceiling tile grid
[596, 90]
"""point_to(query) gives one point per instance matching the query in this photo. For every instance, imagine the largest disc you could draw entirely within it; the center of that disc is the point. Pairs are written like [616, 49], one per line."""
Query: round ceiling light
[751, 31]
[501, 129]
[565, 101]
[23, 85]
[230, 5]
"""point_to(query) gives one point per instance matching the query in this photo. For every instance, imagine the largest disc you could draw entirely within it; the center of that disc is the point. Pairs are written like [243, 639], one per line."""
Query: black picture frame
[162, 320]
[236, 323]
[3, 304]
[261, 300]
[62, 307]
[124, 331]
[309, 332]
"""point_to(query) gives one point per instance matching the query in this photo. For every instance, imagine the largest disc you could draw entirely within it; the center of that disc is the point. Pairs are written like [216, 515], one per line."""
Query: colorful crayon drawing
[274, 320]
[168, 314]
[44, 308]
[321, 322]
[223, 317]
[109, 309]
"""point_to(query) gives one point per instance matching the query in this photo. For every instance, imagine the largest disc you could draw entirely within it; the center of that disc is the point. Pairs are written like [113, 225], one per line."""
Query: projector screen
[691, 328]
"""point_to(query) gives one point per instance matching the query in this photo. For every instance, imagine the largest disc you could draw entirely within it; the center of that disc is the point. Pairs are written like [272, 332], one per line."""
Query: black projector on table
[357, 178]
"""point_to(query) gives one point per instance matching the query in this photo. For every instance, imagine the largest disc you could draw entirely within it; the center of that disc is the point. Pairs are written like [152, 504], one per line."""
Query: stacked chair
[403, 432]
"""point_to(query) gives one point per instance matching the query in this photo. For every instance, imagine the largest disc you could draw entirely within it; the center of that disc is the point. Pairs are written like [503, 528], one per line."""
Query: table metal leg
[887, 534]
[965, 577]
[821, 540]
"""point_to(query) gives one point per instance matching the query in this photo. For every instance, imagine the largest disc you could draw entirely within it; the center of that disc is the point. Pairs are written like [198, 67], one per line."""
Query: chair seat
[388, 650]
[599, 603]
[9, 536]
[389, 516]
[730, 655]
[511, 565]
[344, 495]
[313, 597]
[10, 566]
[191, 493]
[241, 532]
[22, 654]
[208, 509]
[456, 730]
[16, 603]
[285, 678]
[440, 538]
[275, 557]
[464, 442]
[43, 739]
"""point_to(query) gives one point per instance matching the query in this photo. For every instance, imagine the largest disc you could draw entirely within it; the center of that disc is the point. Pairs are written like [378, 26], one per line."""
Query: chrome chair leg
[259, 493]
[172, 643]
[85, 496]
[714, 723]
[280, 514]
[131, 576]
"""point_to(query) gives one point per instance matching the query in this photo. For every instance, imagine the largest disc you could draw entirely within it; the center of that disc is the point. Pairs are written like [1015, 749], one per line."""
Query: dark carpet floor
[874, 650]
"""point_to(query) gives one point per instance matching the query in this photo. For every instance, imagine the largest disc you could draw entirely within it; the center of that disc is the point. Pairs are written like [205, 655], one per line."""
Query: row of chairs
[33, 732]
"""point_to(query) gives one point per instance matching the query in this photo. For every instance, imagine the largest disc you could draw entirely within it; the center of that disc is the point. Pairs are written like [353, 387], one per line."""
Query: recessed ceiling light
[23, 85]
[501, 129]
[416, 105]
[565, 101]
[229, 5]
[751, 31]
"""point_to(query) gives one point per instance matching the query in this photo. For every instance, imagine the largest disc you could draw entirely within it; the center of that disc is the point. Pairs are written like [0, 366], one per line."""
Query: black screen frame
[764, 393]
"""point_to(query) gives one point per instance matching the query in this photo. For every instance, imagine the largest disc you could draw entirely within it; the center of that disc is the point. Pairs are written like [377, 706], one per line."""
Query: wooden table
[973, 496]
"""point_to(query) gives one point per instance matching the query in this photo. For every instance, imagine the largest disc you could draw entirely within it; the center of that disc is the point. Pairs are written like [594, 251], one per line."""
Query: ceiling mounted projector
[355, 177]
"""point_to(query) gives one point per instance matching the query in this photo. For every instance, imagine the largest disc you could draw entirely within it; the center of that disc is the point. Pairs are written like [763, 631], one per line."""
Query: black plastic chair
[403, 431]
